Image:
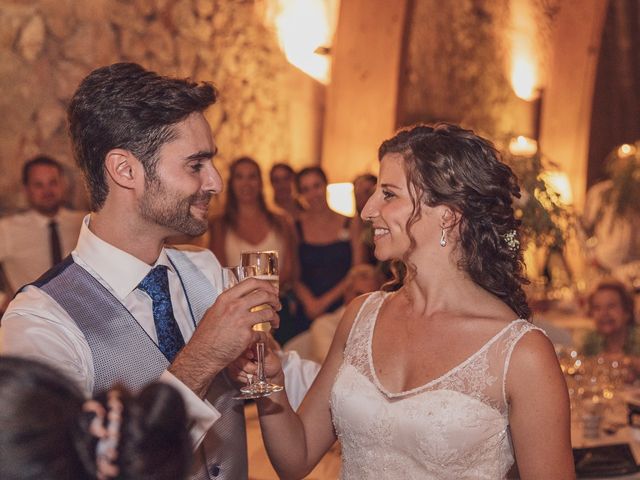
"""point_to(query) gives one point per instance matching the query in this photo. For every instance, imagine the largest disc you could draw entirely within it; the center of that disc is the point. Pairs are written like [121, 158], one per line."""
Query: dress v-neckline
[435, 380]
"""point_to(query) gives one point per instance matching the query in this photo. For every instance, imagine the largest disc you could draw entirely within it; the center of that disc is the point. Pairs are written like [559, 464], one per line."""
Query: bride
[444, 378]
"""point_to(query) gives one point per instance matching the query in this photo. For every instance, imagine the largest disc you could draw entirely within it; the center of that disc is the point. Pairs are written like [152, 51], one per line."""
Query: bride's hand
[245, 367]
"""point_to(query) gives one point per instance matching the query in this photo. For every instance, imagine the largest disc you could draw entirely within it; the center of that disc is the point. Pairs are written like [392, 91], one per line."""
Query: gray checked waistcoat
[124, 354]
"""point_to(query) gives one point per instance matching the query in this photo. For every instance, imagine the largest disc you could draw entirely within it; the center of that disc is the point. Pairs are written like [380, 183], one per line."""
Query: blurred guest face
[178, 196]
[608, 312]
[246, 182]
[314, 189]
[362, 190]
[282, 183]
[44, 189]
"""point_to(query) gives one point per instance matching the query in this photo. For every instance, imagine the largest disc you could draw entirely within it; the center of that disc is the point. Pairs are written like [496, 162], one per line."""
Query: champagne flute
[231, 276]
[266, 268]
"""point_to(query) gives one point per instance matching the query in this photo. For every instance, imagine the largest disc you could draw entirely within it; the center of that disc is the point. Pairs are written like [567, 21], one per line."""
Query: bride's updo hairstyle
[48, 431]
[448, 165]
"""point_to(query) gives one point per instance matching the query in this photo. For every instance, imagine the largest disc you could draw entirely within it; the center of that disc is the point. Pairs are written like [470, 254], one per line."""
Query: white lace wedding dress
[454, 427]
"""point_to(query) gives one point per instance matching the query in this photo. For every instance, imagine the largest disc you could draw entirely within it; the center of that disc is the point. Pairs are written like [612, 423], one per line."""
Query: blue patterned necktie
[156, 285]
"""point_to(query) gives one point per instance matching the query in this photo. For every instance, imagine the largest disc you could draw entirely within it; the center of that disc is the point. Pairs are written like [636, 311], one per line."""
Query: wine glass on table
[266, 268]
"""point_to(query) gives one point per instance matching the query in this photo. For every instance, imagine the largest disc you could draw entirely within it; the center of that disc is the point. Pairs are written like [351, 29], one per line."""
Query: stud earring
[443, 239]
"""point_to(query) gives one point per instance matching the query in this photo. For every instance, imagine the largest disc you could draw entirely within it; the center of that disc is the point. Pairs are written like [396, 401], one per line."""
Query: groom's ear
[123, 168]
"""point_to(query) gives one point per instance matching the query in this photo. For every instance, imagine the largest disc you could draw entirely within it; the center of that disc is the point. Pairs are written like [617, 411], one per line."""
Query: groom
[124, 307]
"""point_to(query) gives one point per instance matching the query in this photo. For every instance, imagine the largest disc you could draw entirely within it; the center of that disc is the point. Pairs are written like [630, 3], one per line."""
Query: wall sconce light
[304, 29]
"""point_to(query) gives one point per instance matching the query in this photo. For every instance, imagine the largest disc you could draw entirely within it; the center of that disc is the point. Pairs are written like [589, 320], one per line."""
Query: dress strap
[355, 351]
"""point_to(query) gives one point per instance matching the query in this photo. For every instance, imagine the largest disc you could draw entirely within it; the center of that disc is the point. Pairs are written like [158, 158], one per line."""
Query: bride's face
[391, 207]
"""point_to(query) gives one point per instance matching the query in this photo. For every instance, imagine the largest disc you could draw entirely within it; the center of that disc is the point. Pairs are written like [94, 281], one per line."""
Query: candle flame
[523, 146]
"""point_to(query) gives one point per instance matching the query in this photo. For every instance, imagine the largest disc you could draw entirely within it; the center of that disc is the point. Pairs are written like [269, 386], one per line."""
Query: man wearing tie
[125, 307]
[33, 241]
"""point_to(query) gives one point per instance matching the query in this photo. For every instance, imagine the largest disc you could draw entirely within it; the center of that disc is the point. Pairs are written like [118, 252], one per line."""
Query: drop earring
[443, 239]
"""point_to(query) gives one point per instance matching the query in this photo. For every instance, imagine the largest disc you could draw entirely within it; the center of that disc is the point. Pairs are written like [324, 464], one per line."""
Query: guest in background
[247, 224]
[34, 241]
[363, 187]
[361, 279]
[49, 431]
[446, 377]
[329, 246]
[611, 306]
[613, 238]
[283, 178]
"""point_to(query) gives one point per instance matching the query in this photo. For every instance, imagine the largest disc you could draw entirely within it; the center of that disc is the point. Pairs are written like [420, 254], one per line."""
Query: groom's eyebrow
[203, 154]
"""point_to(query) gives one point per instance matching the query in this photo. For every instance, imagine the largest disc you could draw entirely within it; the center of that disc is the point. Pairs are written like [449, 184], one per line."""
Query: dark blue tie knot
[156, 285]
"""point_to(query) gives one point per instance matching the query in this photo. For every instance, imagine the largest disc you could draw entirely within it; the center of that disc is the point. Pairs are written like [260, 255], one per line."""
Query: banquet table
[614, 429]
[571, 322]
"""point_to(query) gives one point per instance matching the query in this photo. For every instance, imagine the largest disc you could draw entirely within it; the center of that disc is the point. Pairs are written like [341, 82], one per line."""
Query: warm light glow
[303, 26]
[626, 150]
[523, 146]
[340, 198]
[559, 183]
[525, 77]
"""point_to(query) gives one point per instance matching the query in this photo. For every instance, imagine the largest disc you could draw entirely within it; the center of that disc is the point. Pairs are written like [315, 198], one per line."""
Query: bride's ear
[449, 218]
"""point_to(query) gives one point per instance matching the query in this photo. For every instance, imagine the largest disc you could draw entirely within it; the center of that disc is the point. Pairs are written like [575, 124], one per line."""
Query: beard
[167, 208]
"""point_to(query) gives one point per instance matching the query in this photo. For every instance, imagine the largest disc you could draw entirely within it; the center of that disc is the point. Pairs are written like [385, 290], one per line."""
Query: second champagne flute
[266, 268]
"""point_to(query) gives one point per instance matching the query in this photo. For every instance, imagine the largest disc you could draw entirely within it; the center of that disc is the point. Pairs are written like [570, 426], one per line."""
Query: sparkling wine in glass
[266, 268]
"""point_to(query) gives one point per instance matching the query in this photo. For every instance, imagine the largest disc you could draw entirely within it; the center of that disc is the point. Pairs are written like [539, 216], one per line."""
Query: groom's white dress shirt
[35, 326]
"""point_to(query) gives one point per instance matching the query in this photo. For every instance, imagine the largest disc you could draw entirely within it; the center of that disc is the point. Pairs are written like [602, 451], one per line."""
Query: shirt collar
[41, 219]
[118, 269]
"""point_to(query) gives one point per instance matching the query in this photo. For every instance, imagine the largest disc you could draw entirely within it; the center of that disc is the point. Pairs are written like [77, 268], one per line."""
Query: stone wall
[48, 46]
[457, 63]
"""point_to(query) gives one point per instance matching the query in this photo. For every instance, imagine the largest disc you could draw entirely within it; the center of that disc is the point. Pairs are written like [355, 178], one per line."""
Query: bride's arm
[539, 415]
[296, 442]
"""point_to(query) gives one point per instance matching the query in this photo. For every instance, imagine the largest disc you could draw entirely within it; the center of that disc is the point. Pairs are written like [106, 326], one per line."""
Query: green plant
[546, 220]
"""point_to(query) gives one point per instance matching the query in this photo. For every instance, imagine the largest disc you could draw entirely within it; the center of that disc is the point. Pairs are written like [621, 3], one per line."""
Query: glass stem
[260, 355]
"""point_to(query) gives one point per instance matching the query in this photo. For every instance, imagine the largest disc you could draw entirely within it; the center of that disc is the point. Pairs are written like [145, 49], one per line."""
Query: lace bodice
[454, 427]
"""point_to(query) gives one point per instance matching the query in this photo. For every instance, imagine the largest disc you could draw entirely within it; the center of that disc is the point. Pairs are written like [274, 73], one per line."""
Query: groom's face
[177, 196]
